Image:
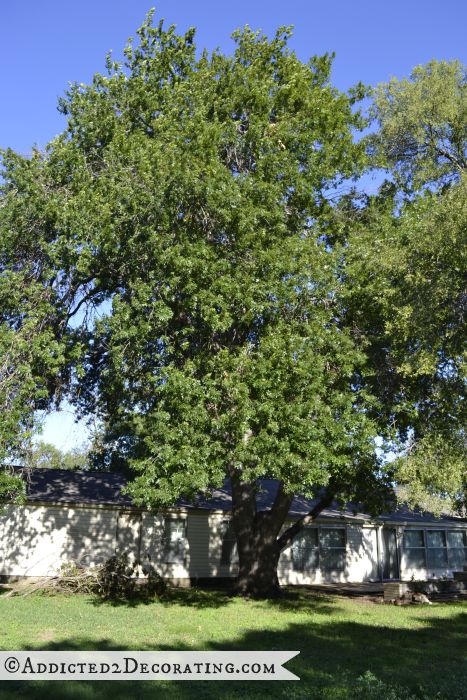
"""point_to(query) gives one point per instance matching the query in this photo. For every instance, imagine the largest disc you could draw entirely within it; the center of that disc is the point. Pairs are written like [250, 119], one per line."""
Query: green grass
[418, 650]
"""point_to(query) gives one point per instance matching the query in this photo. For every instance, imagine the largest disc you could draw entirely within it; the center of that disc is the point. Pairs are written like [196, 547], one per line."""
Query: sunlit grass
[419, 648]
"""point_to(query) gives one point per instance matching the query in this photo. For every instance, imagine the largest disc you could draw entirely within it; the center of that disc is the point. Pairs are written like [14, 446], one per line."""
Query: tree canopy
[422, 134]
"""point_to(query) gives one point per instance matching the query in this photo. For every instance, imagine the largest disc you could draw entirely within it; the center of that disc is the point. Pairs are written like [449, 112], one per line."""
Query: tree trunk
[259, 542]
[256, 534]
[257, 571]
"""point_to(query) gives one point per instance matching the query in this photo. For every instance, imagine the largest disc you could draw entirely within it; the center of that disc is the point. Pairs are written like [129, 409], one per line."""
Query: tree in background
[36, 303]
[44, 455]
[421, 136]
[28, 352]
[406, 276]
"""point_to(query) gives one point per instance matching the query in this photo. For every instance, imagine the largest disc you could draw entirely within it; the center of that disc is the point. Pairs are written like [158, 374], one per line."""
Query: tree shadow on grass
[303, 600]
[427, 660]
[191, 597]
[201, 598]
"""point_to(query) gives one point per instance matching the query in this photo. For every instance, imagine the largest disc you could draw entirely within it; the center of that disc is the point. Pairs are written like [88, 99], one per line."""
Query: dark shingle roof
[105, 489]
[69, 486]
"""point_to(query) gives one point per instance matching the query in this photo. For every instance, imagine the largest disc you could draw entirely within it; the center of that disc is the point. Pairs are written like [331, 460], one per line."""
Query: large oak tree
[183, 239]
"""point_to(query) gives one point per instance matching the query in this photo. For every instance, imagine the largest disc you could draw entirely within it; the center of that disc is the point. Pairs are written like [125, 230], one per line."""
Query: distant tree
[44, 455]
[11, 487]
[405, 266]
[422, 135]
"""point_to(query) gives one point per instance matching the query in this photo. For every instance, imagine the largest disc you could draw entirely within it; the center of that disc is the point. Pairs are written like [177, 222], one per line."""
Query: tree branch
[288, 535]
[271, 520]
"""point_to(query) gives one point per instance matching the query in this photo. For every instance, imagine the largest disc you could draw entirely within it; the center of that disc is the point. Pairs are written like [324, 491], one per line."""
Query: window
[414, 548]
[435, 549]
[305, 551]
[175, 540]
[332, 550]
[436, 552]
[413, 538]
[229, 543]
[320, 548]
[457, 549]
[332, 538]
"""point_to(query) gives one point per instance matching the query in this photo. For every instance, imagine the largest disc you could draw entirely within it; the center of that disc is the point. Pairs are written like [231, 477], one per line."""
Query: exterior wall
[202, 551]
[362, 554]
[129, 533]
[361, 560]
[36, 540]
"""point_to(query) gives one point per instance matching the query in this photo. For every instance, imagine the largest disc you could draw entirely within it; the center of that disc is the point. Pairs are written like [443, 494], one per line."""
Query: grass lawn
[419, 649]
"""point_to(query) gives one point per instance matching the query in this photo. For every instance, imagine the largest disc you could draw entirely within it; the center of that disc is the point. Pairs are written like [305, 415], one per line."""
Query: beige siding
[199, 543]
[129, 533]
[203, 546]
[35, 541]
[152, 532]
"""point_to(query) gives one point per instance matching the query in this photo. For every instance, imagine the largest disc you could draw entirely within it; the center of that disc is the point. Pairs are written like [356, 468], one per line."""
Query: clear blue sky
[47, 43]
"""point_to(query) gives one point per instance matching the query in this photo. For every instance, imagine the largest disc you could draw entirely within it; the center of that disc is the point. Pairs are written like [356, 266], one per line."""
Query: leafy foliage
[405, 277]
[422, 135]
[117, 579]
[44, 455]
[184, 193]
[11, 487]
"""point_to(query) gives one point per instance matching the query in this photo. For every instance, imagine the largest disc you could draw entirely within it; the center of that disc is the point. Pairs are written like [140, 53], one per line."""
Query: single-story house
[83, 516]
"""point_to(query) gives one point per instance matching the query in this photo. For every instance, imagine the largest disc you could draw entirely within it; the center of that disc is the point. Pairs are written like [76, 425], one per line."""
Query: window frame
[432, 548]
[170, 555]
[298, 563]
[449, 562]
[342, 549]
[319, 549]
[228, 553]
[422, 548]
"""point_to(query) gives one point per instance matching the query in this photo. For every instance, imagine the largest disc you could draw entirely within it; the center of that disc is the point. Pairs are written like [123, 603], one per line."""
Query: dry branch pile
[117, 578]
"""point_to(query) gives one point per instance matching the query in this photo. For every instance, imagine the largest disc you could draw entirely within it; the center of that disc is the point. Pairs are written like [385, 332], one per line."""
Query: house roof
[75, 487]
[105, 489]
